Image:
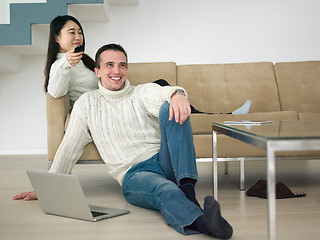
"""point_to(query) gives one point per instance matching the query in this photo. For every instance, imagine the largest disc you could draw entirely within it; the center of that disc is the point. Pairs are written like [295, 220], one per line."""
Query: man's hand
[180, 108]
[26, 196]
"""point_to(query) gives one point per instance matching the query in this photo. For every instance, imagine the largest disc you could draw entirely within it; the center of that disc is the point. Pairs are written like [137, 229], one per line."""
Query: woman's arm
[59, 78]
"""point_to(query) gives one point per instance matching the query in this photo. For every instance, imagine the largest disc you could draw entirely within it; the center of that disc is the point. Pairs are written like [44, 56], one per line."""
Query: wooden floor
[297, 218]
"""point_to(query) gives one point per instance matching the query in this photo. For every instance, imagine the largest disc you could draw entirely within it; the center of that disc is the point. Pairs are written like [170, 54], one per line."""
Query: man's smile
[115, 78]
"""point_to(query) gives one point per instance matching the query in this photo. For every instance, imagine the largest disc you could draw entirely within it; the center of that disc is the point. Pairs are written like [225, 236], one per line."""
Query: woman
[68, 72]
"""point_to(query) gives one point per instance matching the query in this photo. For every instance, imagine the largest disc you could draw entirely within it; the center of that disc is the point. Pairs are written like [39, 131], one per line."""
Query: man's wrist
[178, 92]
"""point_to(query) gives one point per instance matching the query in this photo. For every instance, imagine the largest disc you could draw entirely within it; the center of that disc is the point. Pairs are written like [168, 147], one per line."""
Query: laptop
[62, 195]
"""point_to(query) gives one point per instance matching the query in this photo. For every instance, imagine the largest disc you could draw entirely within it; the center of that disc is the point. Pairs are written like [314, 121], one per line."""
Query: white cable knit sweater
[123, 125]
[74, 80]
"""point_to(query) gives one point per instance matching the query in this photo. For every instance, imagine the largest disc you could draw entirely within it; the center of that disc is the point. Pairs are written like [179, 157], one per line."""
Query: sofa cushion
[90, 153]
[139, 73]
[230, 148]
[227, 147]
[222, 88]
[57, 108]
[309, 116]
[202, 123]
[299, 86]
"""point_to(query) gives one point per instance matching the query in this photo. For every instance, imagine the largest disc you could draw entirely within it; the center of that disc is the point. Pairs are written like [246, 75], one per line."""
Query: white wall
[183, 31]
[213, 31]
[22, 109]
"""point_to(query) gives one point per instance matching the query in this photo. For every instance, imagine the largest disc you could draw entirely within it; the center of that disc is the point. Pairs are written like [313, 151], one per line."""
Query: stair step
[5, 8]
[39, 16]
[39, 34]
[36, 42]
[18, 32]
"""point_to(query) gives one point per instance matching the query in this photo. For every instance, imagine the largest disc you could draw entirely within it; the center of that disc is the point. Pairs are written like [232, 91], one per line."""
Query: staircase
[28, 30]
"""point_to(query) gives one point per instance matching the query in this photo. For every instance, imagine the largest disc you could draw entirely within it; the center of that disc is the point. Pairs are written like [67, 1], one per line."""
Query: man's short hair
[112, 46]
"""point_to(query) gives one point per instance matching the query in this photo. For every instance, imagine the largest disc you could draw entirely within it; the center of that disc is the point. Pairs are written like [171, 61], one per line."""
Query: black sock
[211, 222]
[187, 186]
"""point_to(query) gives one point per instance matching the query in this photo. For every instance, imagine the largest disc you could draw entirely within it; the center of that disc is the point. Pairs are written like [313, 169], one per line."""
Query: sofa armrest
[57, 109]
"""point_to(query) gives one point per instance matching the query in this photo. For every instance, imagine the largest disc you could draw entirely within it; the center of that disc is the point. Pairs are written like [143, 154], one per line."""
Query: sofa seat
[309, 116]
[228, 147]
[202, 123]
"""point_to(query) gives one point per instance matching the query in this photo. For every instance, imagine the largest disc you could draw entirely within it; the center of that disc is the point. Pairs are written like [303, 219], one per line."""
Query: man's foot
[244, 109]
[187, 186]
[211, 222]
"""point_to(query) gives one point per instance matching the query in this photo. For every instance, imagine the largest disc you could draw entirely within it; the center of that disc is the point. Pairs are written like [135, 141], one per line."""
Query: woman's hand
[74, 58]
[26, 196]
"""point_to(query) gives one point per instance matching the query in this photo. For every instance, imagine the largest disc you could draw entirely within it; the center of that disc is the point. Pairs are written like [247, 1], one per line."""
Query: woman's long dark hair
[53, 47]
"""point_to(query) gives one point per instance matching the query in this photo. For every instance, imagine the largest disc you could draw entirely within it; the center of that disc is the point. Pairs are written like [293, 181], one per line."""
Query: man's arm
[179, 107]
[152, 96]
[74, 141]
[70, 149]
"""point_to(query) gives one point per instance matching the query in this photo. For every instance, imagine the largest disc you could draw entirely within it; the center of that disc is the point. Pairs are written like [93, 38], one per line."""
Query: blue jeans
[153, 184]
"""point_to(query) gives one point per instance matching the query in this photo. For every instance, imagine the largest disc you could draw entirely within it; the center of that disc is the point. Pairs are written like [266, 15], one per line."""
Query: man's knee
[164, 115]
[164, 110]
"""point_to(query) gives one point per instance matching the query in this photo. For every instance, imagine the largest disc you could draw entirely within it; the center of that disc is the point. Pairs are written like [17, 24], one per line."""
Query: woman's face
[70, 36]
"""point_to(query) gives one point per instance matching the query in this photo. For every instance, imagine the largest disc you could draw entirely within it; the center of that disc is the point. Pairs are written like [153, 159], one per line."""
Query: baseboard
[32, 151]
[204, 160]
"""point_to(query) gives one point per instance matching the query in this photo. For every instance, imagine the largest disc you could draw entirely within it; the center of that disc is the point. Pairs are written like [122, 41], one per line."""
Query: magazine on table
[247, 122]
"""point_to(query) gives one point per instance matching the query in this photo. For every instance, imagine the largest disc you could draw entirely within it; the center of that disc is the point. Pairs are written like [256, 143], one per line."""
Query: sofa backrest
[139, 73]
[299, 86]
[221, 88]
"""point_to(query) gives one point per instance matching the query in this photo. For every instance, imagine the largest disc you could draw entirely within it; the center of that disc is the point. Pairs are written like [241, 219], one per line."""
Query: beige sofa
[281, 91]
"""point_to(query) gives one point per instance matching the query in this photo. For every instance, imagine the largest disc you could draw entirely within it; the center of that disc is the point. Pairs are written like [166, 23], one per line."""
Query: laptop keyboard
[97, 214]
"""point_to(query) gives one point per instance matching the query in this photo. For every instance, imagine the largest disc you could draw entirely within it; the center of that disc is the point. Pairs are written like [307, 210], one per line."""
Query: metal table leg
[242, 181]
[271, 190]
[214, 165]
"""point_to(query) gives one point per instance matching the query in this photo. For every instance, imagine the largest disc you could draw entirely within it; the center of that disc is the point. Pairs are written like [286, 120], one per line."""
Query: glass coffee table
[273, 136]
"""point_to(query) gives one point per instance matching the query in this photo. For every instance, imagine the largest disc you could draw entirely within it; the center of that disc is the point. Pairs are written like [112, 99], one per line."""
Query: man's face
[113, 70]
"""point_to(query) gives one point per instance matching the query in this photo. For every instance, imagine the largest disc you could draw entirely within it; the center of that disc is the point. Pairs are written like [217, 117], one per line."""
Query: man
[146, 143]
